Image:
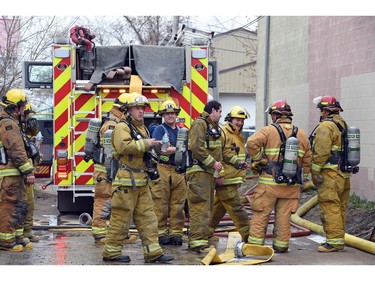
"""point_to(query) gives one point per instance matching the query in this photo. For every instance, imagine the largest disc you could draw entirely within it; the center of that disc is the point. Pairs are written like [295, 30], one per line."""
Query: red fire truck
[85, 81]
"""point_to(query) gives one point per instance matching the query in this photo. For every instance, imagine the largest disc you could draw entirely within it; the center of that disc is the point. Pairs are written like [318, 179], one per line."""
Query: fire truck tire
[82, 204]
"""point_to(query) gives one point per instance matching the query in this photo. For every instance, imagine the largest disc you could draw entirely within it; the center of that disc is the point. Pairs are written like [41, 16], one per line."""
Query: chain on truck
[87, 79]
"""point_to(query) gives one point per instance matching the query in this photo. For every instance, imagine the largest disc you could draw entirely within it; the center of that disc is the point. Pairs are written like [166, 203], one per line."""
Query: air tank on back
[354, 138]
[290, 158]
[107, 144]
[91, 138]
[181, 146]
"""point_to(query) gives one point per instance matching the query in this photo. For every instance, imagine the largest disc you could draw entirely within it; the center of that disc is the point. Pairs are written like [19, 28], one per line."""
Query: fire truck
[85, 80]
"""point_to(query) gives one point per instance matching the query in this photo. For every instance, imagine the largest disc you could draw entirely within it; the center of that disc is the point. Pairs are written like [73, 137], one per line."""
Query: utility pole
[176, 21]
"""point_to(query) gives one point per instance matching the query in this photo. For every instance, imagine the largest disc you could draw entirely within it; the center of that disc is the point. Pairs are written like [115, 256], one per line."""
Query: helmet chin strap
[19, 117]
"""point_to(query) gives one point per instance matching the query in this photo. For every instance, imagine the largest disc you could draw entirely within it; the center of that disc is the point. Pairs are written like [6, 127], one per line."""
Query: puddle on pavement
[59, 220]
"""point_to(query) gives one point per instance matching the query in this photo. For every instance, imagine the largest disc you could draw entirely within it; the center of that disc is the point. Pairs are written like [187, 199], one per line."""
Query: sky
[191, 7]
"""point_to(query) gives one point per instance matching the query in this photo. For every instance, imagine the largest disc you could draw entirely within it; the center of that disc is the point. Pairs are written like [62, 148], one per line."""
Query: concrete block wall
[313, 56]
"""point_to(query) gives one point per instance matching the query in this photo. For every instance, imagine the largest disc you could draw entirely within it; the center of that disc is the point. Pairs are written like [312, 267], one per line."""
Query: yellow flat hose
[350, 240]
[229, 258]
[135, 84]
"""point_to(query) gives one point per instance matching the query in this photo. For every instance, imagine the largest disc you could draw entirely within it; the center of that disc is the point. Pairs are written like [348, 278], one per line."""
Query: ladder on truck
[84, 105]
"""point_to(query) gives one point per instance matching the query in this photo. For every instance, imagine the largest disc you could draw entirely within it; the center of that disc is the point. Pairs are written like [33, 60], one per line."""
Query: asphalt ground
[66, 245]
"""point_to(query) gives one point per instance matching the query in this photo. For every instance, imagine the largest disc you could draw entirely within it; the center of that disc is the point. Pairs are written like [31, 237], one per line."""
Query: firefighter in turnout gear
[206, 142]
[275, 191]
[333, 185]
[31, 129]
[131, 195]
[227, 198]
[170, 192]
[103, 185]
[15, 171]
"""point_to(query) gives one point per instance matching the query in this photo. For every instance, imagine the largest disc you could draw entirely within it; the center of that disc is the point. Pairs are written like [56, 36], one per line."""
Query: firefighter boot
[280, 250]
[327, 248]
[100, 240]
[118, 259]
[161, 259]
[33, 238]
[176, 240]
[12, 248]
[24, 242]
[164, 240]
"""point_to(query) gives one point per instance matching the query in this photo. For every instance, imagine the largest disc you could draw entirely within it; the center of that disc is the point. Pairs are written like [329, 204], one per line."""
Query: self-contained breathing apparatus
[286, 168]
[3, 155]
[92, 142]
[107, 145]
[150, 158]
[348, 157]
[183, 157]
[32, 150]
[211, 131]
[92, 148]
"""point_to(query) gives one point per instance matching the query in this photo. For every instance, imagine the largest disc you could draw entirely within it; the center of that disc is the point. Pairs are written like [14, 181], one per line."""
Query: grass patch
[359, 203]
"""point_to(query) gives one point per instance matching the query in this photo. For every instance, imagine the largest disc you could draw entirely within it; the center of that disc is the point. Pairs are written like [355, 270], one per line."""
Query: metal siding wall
[236, 80]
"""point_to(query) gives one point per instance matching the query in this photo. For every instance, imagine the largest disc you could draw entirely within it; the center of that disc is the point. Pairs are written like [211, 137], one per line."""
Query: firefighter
[15, 171]
[275, 191]
[170, 192]
[31, 128]
[206, 142]
[103, 186]
[333, 185]
[227, 198]
[131, 195]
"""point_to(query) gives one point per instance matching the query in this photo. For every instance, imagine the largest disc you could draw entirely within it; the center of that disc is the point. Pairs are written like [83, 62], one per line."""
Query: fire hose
[350, 240]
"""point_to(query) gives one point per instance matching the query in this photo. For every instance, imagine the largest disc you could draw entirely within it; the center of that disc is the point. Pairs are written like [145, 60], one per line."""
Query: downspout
[266, 63]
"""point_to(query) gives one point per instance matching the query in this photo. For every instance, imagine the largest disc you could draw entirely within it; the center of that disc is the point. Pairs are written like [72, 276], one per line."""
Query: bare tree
[149, 30]
[30, 38]
[26, 38]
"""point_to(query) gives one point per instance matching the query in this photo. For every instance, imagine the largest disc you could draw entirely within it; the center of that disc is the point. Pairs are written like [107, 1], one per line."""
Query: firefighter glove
[29, 179]
[241, 165]
[257, 166]
[317, 179]
[220, 181]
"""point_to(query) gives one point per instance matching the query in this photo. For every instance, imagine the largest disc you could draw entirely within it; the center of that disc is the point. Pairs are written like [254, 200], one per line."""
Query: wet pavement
[75, 246]
[64, 241]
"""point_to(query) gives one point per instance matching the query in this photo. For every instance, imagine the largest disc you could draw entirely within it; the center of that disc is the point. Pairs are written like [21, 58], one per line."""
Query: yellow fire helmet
[124, 101]
[15, 97]
[169, 105]
[237, 112]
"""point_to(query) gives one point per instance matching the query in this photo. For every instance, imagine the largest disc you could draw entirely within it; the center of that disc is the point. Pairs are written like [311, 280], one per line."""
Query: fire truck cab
[86, 79]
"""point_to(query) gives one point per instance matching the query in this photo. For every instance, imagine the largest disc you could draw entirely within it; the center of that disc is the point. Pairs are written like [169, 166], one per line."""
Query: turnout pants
[228, 200]
[128, 203]
[333, 196]
[102, 205]
[169, 196]
[28, 225]
[200, 200]
[13, 209]
[282, 199]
